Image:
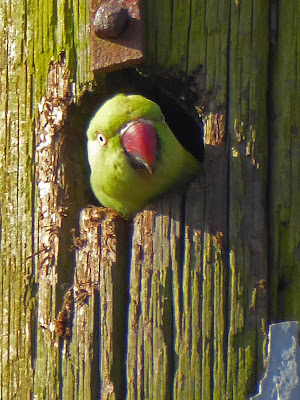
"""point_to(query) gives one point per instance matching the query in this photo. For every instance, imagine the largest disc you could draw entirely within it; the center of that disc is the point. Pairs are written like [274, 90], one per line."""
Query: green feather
[115, 182]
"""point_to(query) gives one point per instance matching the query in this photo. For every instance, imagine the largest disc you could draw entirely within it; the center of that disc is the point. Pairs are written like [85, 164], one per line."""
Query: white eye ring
[163, 120]
[102, 139]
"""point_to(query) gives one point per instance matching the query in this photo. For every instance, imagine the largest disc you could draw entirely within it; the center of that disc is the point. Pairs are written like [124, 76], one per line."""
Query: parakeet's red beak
[139, 140]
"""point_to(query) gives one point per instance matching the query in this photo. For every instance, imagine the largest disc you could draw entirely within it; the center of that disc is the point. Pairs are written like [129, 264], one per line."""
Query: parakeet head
[133, 154]
[130, 122]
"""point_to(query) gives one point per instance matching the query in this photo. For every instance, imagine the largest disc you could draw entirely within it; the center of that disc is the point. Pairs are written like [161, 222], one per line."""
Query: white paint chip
[45, 188]
[282, 377]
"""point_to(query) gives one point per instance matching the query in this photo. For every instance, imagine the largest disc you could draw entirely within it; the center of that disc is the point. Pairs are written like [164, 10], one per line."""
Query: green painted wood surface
[207, 266]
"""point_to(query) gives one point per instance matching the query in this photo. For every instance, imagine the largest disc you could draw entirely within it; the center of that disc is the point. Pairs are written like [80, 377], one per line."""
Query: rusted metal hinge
[117, 34]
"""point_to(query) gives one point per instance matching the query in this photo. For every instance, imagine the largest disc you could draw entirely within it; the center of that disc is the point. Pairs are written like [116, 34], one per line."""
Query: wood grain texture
[94, 367]
[32, 35]
[229, 61]
[150, 325]
[248, 155]
[174, 305]
[284, 163]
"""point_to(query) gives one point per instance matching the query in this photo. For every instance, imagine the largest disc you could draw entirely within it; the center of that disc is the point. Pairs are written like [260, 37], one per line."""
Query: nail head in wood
[110, 20]
[127, 49]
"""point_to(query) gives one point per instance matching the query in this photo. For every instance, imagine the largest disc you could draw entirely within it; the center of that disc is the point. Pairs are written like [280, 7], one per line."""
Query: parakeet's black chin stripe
[138, 165]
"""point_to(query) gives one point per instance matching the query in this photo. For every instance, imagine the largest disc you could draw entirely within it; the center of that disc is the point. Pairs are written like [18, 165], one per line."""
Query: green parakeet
[133, 154]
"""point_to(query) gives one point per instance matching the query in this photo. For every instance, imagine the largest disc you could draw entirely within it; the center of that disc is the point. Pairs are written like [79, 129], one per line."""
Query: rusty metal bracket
[116, 47]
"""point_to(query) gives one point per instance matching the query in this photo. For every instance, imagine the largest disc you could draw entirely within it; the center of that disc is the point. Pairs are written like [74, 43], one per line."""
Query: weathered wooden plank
[198, 37]
[223, 50]
[16, 189]
[217, 26]
[284, 164]
[248, 140]
[188, 305]
[94, 367]
[200, 40]
[50, 215]
[28, 43]
[196, 325]
[150, 325]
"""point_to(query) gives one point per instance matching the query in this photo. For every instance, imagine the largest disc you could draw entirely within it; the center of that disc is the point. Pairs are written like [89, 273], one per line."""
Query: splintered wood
[155, 260]
[177, 319]
[51, 186]
[100, 302]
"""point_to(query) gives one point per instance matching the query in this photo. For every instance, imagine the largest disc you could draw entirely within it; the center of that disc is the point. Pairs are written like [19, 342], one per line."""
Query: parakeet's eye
[102, 139]
[162, 119]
